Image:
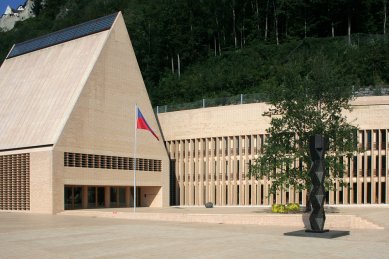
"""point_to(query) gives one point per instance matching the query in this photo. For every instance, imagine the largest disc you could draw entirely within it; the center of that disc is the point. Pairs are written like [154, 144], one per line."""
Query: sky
[12, 3]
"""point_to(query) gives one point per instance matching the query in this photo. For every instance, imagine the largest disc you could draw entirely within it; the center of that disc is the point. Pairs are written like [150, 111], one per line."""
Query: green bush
[289, 208]
[293, 207]
[278, 208]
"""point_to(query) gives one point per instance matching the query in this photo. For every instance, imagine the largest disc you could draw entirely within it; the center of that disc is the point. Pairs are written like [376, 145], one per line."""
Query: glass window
[122, 196]
[100, 197]
[91, 197]
[113, 197]
[77, 197]
[68, 198]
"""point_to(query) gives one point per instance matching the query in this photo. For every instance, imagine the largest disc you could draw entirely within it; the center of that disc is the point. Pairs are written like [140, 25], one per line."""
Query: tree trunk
[266, 20]
[332, 29]
[244, 37]
[241, 38]
[220, 47]
[257, 14]
[191, 20]
[384, 1]
[275, 21]
[218, 36]
[305, 22]
[234, 27]
[215, 45]
[308, 203]
[332, 22]
[178, 66]
[349, 29]
[172, 65]
[149, 49]
[149, 38]
[286, 21]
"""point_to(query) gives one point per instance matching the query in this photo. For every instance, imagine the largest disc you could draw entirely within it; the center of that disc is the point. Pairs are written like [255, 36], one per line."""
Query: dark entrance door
[72, 197]
[100, 197]
[138, 198]
[96, 197]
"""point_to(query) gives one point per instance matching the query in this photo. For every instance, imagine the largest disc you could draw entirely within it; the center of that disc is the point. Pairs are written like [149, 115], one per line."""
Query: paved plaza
[62, 236]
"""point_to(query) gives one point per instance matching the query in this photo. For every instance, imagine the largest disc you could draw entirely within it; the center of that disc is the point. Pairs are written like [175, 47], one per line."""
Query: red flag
[141, 123]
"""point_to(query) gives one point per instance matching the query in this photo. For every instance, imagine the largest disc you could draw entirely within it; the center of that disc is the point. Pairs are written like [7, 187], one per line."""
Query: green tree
[37, 7]
[310, 98]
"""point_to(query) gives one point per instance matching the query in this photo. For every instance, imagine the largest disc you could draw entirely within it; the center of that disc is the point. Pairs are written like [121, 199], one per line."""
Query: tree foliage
[227, 46]
[310, 99]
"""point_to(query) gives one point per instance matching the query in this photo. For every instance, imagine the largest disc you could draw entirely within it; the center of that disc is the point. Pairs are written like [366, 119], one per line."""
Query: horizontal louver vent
[111, 162]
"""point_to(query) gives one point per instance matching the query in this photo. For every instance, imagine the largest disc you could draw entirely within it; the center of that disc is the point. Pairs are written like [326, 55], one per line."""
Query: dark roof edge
[11, 55]
[22, 148]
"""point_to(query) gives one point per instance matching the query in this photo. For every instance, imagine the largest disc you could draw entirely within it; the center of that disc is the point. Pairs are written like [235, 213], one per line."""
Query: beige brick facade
[213, 148]
[74, 114]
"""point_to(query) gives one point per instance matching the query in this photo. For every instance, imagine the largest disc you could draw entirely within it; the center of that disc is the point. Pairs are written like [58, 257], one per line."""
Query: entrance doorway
[118, 197]
[138, 196]
[93, 197]
[73, 197]
[96, 197]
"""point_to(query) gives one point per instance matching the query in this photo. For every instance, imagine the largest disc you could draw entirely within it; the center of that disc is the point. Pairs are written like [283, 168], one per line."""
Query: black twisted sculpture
[318, 145]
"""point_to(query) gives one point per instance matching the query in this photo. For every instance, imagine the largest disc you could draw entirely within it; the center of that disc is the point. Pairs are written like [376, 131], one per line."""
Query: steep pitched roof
[68, 34]
[8, 10]
[41, 83]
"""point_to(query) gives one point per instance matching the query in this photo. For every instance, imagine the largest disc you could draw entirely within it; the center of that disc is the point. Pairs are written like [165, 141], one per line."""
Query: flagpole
[136, 117]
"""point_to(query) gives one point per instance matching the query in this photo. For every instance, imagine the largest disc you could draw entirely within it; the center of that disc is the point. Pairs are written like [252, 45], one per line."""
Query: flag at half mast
[141, 123]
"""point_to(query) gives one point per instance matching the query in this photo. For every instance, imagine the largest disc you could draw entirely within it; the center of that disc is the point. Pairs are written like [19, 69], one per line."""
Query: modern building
[67, 135]
[67, 123]
[212, 149]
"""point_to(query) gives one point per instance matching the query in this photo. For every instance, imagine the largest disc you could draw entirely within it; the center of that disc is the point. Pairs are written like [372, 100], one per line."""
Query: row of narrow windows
[224, 159]
[372, 139]
[111, 162]
[218, 146]
[354, 168]
[15, 182]
[252, 144]
[364, 193]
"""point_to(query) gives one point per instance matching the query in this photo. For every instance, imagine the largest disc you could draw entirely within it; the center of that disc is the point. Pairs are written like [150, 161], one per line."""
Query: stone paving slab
[295, 220]
[25, 235]
[335, 218]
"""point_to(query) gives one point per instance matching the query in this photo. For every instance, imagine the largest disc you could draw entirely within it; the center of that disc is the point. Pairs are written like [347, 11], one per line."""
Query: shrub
[289, 208]
[293, 207]
[278, 208]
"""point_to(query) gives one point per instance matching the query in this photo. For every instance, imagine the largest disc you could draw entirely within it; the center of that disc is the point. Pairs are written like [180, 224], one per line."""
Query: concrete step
[339, 221]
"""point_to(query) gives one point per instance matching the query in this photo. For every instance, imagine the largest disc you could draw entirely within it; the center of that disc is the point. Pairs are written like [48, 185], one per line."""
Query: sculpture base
[317, 231]
[325, 234]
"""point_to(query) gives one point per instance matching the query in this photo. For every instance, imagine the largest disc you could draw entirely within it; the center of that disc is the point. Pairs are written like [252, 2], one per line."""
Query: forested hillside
[193, 49]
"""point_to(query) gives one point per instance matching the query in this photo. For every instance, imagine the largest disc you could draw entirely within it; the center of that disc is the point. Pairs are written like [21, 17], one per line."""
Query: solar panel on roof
[65, 36]
[71, 33]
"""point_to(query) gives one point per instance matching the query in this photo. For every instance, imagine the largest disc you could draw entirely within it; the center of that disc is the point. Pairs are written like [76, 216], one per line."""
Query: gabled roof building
[67, 123]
